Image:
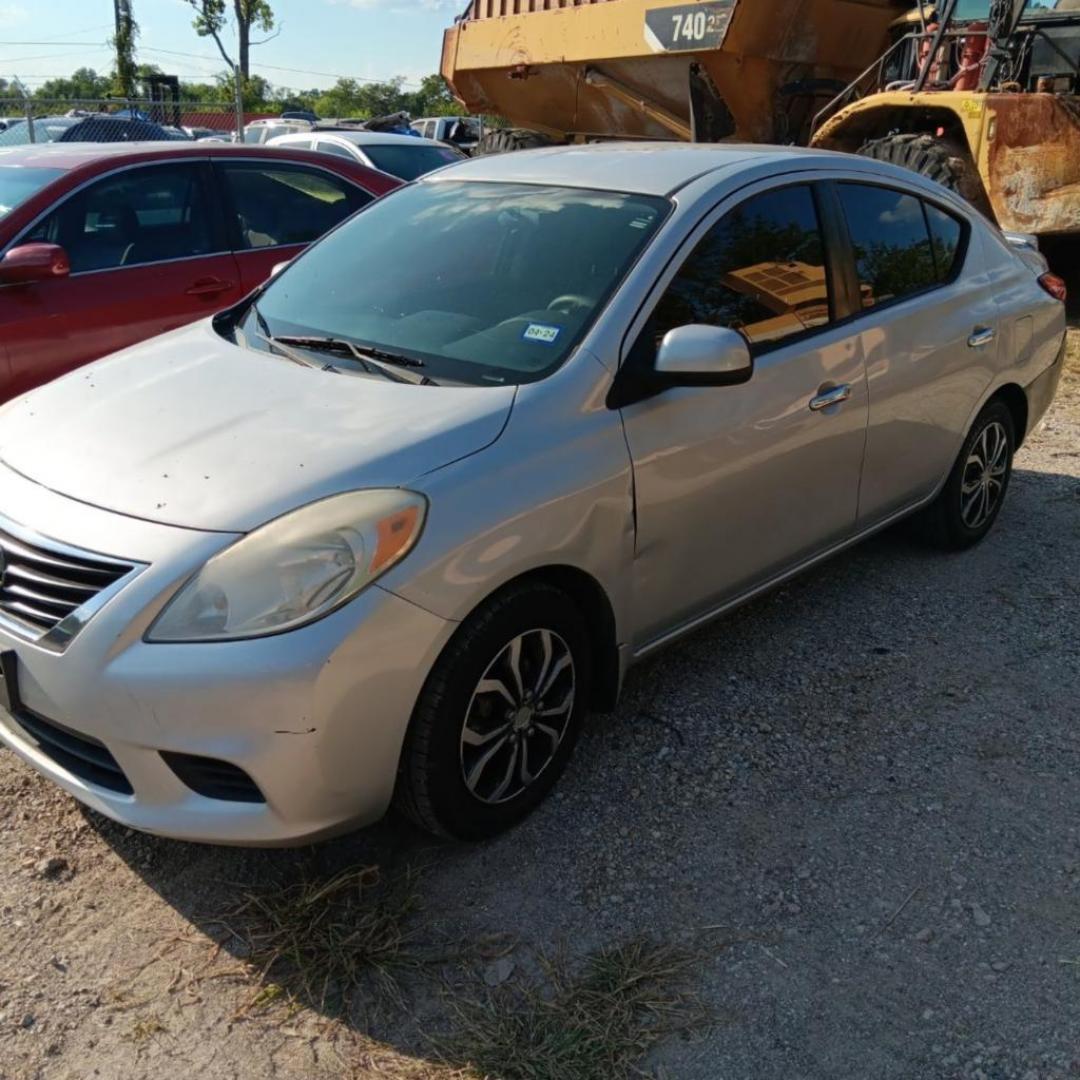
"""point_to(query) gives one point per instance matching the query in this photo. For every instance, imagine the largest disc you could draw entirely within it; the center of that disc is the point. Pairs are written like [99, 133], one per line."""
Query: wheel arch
[1015, 400]
[874, 119]
[593, 602]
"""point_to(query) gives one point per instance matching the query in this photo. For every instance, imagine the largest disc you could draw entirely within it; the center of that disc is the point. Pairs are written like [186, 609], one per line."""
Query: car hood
[188, 429]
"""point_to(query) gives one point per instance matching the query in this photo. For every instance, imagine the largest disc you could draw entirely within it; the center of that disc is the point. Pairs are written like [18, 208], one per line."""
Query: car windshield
[407, 161]
[17, 184]
[482, 282]
[50, 129]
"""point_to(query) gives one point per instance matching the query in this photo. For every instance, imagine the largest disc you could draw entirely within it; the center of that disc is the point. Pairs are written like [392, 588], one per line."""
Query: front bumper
[315, 717]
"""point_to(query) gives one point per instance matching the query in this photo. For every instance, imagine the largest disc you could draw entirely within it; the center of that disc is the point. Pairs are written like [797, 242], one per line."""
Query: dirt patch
[851, 807]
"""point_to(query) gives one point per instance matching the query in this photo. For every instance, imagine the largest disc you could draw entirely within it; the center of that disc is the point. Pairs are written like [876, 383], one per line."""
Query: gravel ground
[855, 797]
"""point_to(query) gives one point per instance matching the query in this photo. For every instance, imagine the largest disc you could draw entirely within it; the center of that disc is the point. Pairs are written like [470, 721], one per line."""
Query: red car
[103, 245]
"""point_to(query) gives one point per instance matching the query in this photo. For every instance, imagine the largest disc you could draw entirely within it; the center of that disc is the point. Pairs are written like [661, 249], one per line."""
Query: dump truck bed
[620, 68]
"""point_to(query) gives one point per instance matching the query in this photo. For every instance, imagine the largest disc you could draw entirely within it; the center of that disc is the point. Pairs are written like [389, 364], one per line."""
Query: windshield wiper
[283, 346]
[369, 357]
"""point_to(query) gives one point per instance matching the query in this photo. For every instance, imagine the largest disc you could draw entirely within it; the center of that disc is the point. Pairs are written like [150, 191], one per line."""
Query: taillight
[1055, 286]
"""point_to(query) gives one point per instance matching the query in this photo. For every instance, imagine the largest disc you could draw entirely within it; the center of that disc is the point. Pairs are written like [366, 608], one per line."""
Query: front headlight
[294, 569]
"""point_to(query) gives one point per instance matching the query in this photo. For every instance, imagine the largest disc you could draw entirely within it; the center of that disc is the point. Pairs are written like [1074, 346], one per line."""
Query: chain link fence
[33, 120]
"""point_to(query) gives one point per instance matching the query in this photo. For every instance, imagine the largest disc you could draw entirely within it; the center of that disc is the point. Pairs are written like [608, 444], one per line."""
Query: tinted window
[892, 245]
[282, 204]
[408, 161]
[760, 270]
[18, 184]
[138, 216]
[945, 233]
[49, 130]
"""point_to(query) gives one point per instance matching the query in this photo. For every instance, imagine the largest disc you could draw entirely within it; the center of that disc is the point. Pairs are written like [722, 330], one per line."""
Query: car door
[928, 333]
[276, 208]
[734, 485]
[147, 255]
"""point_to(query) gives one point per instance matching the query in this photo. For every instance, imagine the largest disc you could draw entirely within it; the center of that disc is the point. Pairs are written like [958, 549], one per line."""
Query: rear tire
[938, 159]
[969, 503]
[498, 717]
[506, 140]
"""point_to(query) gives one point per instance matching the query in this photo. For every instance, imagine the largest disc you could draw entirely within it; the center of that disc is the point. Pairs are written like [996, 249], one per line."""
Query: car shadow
[890, 670]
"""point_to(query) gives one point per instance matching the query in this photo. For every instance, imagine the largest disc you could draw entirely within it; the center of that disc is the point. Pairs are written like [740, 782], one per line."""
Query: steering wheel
[569, 302]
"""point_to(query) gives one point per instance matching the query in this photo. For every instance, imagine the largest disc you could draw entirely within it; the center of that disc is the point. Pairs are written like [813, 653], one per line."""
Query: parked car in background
[262, 131]
[11, 121]
[391, 528]
[403, 156]
[460, 131]
[102, 246]
[88, 128]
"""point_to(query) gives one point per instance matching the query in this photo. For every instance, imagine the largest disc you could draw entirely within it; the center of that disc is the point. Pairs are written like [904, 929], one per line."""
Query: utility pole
[124, 42]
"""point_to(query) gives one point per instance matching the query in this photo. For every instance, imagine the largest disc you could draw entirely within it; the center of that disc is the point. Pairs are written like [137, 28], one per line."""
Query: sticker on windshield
[541, 332]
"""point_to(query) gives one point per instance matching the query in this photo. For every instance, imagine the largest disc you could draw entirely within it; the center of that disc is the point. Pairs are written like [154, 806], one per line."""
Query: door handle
[208, 287]
[830, 397]
[981, 336]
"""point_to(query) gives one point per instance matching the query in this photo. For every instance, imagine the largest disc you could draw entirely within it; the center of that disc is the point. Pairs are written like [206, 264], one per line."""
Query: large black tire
[958, 517]
[939, 159]
[505, 140]
[465, 739]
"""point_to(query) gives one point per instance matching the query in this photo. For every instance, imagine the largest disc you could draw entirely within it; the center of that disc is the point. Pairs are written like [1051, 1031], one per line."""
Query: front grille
[80, 755]
[213, 779]
[41, 585]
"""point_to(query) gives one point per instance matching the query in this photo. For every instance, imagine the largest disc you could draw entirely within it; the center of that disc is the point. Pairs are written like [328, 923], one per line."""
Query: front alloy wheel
[518, 716]
[499, 714]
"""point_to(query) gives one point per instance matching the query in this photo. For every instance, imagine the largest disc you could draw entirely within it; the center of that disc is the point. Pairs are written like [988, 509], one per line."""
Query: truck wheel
[504, 140]
[939, 159]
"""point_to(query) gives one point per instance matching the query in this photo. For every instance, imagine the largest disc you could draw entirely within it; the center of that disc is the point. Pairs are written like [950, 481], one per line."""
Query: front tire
[498, 716]
[967, 507]
[507, 140]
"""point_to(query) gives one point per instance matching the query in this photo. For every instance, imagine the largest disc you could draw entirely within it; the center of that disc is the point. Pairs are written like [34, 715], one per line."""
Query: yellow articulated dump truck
[979, 94]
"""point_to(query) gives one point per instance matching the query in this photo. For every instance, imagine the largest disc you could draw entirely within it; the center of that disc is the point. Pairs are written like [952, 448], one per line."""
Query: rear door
[927, 328]
[148, 254]
[276, 208]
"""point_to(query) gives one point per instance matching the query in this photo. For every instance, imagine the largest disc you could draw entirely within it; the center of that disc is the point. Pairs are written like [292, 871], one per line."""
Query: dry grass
[330, 944]
[592, 1024]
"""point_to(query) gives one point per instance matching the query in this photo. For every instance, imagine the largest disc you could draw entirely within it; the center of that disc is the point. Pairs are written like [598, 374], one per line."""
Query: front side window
[277, 204]
[893, 256]
[137, 216]
[485, 283]
[760, 270]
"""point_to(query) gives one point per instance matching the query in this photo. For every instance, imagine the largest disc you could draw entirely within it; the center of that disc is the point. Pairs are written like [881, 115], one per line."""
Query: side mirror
[278, 267]
[34, 262]
[698, 355]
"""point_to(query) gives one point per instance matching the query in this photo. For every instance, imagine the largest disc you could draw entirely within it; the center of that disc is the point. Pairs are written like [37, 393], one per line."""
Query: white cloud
[13, 15]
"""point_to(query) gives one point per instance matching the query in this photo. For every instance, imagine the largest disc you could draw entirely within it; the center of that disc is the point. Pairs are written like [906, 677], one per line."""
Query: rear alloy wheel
[965, 510]
[498, 716]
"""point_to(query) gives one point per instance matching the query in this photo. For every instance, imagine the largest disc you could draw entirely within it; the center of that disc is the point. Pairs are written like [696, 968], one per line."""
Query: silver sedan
[388, 529]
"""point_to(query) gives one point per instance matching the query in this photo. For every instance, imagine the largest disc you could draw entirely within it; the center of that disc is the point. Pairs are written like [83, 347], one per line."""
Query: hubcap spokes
[518, 716]
[984, 475]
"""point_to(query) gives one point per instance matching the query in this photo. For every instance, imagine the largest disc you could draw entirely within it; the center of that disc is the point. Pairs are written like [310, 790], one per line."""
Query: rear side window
[409, 161]
[327, 147]
[945, 235]
[893, 256]
[278, 204]
[759, 270]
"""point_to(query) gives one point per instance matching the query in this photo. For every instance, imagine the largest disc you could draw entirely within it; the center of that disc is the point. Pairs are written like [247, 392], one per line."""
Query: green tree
[212, 19]
[85, 84]
[433, 99]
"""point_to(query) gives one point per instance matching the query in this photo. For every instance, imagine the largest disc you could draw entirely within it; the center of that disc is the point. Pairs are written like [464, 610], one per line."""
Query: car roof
[645, 168]
[359, 138]
[75, 155]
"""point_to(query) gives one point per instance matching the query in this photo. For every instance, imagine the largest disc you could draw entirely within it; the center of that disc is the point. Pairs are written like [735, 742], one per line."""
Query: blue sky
[373, 39]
